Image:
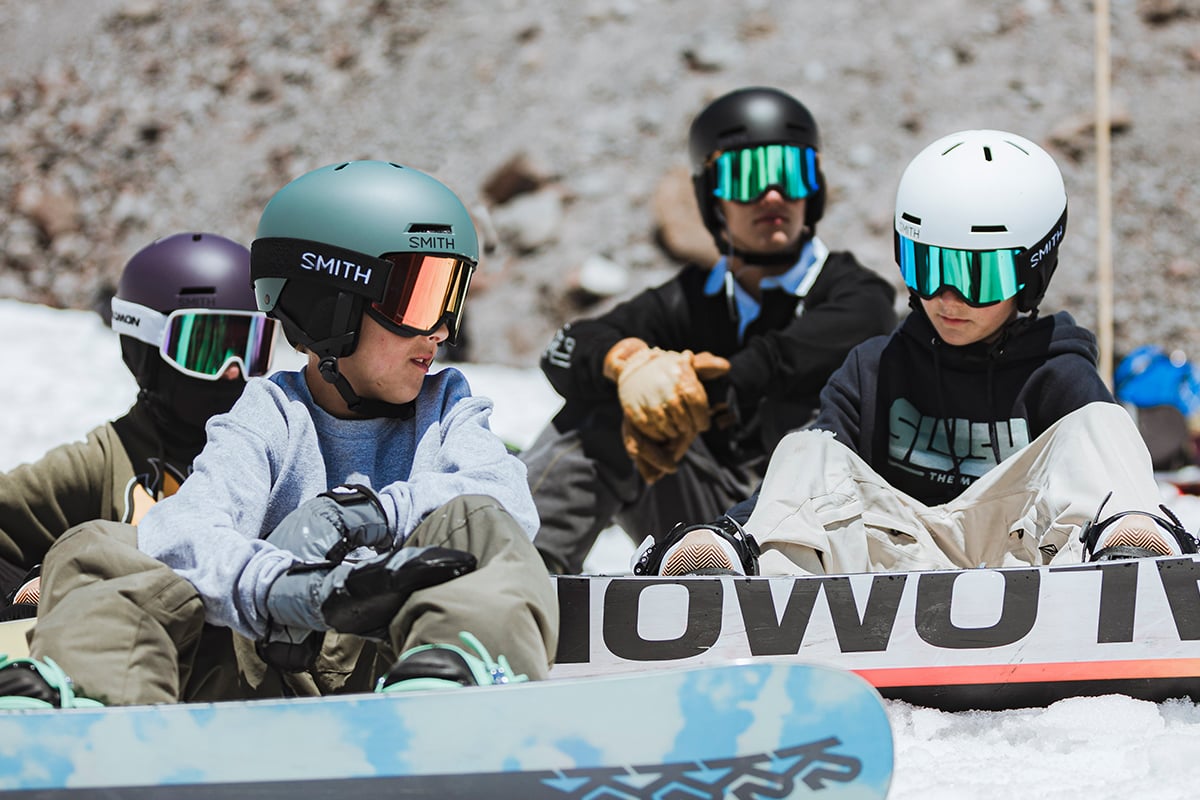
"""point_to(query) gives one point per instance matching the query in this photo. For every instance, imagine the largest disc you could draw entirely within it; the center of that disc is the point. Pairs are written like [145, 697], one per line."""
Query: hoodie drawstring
[957, 460]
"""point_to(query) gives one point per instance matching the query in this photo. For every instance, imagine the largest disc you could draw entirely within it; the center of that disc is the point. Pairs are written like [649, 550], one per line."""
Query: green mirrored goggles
[981, 277]
[745, 175]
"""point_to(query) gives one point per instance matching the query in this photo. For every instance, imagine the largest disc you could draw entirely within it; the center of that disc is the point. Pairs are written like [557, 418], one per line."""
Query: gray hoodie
[277, 449]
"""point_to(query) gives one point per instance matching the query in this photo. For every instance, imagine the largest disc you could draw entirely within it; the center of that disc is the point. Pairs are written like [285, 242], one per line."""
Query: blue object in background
[1149, 376]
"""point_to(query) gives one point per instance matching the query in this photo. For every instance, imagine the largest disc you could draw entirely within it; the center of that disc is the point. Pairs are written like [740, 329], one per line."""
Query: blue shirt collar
[797, 280]
[789, 281]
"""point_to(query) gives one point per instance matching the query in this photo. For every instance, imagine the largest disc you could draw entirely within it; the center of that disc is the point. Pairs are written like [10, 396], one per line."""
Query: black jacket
[787, 354]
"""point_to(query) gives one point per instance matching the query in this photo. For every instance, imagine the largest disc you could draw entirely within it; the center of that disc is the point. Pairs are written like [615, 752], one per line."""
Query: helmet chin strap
[327, 365]
[362, 406]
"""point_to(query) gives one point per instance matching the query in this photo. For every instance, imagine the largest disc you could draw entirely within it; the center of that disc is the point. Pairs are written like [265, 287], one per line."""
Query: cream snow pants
[822, 509]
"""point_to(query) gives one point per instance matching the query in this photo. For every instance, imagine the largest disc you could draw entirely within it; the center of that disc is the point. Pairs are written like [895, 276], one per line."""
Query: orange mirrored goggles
[423, 292]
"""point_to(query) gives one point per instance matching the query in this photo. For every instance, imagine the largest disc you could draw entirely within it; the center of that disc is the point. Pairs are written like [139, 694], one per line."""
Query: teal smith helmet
[361, 237]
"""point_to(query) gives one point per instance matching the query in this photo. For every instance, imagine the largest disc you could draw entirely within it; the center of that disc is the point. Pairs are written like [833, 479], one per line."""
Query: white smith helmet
[981, 212]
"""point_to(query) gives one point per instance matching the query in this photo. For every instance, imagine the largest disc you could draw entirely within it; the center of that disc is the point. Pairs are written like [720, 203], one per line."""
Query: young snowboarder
[191, 334]
[977, 434]
[360, 494]
[753, 337]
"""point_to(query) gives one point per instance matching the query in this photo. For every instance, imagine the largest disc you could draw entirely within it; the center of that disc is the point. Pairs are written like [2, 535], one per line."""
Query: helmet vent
[987, 154]
[420, 227]
[907, 217]
[989, 229]
[198, 290]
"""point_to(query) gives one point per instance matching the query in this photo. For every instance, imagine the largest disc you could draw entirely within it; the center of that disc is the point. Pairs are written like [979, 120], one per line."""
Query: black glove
[359, 597]
[333, 524]
[290, 649]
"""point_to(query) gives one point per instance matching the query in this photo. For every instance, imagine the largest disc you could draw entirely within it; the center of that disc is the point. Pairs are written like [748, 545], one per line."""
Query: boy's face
[769, 224]
[384, 366]
[958, 323]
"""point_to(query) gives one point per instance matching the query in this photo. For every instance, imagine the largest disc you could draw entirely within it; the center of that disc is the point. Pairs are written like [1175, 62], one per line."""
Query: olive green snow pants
[129, 630]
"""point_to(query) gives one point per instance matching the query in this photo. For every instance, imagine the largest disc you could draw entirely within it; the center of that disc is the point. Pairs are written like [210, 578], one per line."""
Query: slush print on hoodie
[932, 418]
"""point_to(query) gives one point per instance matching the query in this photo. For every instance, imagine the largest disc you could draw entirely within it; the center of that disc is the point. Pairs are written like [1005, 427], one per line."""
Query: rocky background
[563, 127]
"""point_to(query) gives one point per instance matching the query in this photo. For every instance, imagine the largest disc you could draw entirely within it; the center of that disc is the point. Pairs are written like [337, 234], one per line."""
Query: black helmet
[743, 118]
[361, 237]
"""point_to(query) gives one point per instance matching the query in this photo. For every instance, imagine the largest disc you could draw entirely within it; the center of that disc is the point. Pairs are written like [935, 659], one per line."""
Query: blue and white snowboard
[747, 730]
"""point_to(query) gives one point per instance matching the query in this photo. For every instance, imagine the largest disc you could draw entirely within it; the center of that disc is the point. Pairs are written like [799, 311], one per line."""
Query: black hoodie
[931, 418]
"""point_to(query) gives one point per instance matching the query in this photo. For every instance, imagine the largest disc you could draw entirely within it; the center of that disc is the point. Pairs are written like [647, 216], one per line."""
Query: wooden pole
[1104, 267]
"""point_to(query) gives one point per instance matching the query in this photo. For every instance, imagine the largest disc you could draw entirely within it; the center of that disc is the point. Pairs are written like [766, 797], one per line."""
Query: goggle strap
[1047, 243]
[138, 321]
[348, 270]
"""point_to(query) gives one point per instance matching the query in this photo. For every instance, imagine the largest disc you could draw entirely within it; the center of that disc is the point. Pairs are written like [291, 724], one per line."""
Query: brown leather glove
[664, 404]
[652, 459]
[660, 390]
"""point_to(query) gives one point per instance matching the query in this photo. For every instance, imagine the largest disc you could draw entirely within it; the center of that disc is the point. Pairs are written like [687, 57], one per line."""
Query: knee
[474, 515]
[1098, 416]
[90, 535]
[466, 506]
[812, 447]
[808, 441]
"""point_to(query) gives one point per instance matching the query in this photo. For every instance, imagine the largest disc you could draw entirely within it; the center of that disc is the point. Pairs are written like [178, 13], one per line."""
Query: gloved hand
[664, 404]
[652, 459]
[290, 649]
[358, 597]
[660, 390]
[333, 524]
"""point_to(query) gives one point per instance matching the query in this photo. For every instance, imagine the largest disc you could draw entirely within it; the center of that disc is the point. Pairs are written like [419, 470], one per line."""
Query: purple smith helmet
[184, 271]
[189, 270]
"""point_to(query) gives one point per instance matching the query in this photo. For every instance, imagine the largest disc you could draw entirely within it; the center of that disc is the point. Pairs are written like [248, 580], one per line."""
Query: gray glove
[333, 524]
[359, 597]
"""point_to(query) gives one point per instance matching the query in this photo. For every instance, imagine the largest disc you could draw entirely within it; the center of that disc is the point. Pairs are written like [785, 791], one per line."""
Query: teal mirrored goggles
[981, 277]
[744, 175]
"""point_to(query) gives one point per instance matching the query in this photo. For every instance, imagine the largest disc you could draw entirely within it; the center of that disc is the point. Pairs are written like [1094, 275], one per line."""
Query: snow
[66, 377]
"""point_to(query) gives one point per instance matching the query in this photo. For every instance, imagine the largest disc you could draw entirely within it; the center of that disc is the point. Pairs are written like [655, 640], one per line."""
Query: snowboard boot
[446, 666]
[1135, 534]
[22, 602]
[719, 548]
[29, 683]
